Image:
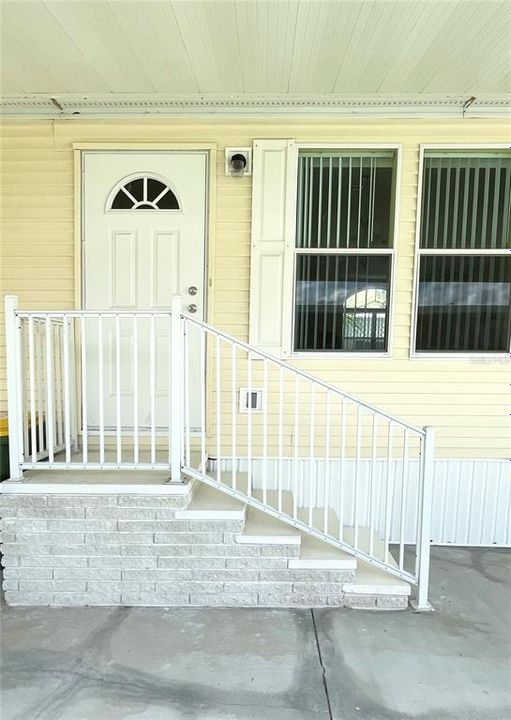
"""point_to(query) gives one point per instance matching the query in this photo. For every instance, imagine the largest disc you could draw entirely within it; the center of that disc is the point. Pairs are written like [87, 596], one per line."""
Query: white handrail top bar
[74, 313]
[310, 378]
[24, 314]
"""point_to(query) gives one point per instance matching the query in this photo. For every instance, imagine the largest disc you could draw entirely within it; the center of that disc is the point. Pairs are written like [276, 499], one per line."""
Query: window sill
[336, 356]
[459, 356]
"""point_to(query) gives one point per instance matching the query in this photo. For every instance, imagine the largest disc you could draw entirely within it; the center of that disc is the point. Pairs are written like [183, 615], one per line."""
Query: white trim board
[225, 104]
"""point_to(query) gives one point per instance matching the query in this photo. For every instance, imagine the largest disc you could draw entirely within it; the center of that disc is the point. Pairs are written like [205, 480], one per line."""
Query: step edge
[318, 564]
[247, 539]
[210, 515]
[375, 589]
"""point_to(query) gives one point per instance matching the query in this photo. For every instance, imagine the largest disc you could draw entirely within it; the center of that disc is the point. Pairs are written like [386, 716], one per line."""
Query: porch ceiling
[269, 55]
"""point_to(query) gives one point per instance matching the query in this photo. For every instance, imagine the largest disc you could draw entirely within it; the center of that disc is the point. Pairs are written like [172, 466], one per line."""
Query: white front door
[144, 237]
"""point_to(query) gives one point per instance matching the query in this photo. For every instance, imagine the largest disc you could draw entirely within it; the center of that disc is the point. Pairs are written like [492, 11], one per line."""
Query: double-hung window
[343, 251]
[464, 262]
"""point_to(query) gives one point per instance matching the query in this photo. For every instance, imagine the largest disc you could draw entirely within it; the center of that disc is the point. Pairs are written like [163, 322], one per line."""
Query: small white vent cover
[234, 159]
[251, 399]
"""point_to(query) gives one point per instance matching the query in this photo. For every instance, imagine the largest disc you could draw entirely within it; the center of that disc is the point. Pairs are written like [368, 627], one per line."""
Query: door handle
[192, 308]
[192, 290]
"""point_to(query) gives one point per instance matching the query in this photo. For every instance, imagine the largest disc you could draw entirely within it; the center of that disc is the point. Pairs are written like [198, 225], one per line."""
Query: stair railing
[302, 450]
[285, 442]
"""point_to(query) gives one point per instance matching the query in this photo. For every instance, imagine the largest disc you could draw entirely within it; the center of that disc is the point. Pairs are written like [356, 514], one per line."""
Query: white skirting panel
[471, 498]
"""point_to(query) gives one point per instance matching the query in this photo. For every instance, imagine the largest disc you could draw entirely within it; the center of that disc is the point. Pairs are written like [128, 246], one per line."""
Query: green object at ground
[4, 449]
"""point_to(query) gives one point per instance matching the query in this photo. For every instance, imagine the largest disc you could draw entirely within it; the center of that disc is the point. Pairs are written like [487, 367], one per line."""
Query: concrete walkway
[187, 664]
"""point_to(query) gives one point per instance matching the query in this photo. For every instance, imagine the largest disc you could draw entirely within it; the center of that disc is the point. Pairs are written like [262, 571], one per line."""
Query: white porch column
[14, 387]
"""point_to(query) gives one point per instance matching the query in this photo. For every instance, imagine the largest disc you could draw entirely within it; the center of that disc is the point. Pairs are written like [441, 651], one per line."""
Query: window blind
[466, 202]
[344, 201]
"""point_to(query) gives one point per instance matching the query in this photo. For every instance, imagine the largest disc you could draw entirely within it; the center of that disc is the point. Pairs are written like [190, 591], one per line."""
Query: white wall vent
[251, 399]
[238, 161]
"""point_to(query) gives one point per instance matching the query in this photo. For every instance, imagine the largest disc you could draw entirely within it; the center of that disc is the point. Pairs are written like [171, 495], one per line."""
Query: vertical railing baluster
[265, 431]
[281, 437]
[31, 362]
[25, 405]
[404, 494]
[249, 426]
[388, 509]
[135, 389]
[372, 470]
[177, 390]
[152, 388]
[57, 379]
[83, 390]
[311, 452]
[188, 450]
[75, 419]
[203, 460]
[342, 473]
[170, 398]
[326, 498]
[67, 400]
[118, 389]
[41, 413]
[50, 420]
[233, 417]
[100, 392]
[296, 441]
[357, 478]
[218, 412]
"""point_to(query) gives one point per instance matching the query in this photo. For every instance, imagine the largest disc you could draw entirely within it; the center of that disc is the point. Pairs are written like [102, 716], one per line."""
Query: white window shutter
[273, 222]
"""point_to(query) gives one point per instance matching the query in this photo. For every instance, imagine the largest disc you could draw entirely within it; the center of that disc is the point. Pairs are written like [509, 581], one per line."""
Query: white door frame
[79, 220]
[209, 225]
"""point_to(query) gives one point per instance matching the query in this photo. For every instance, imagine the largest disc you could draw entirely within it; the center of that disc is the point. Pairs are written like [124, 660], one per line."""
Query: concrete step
[210, 504]
[374, 589]
[263, 529]
[318, 555]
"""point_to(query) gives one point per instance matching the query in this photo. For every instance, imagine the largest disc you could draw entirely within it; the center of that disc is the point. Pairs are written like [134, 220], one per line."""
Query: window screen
[343, 251]
[464, 288]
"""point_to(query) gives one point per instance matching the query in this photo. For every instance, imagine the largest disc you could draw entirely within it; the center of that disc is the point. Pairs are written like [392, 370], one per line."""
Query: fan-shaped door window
[143, 192]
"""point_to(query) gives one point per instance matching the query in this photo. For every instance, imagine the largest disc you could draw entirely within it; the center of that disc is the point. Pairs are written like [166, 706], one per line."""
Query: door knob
[192, 308]
[192, 290]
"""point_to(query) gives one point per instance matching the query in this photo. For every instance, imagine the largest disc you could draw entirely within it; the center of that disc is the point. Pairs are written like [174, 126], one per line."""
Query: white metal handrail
[331, 465]
[361, 483]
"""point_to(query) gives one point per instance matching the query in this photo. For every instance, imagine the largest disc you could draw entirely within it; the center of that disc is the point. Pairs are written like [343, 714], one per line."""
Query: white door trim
[209, 149]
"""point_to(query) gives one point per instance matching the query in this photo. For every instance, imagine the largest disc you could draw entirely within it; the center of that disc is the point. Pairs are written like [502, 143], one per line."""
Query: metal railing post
[421, 603]
[14, 387]
[177, 380]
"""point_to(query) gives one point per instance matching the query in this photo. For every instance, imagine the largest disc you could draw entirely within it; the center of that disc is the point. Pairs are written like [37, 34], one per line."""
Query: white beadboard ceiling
[266, 55]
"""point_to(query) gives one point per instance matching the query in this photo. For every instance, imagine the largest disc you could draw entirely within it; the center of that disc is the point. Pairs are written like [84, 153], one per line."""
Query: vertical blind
[344, 203]
[464, 303]
[466, 202]
[464, 299]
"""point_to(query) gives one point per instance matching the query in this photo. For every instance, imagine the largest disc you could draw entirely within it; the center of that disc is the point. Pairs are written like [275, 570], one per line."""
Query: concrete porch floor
[241, 664]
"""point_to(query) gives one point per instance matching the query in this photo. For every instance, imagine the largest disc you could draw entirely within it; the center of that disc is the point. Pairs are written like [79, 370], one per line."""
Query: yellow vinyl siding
[465, 399]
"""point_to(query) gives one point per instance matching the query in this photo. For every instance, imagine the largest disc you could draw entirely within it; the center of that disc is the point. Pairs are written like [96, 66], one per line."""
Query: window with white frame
[343, 251]
[464, 265]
